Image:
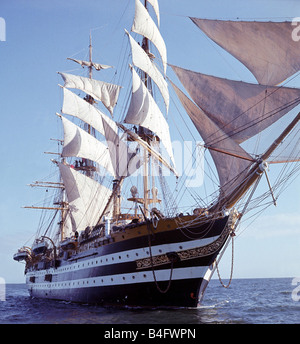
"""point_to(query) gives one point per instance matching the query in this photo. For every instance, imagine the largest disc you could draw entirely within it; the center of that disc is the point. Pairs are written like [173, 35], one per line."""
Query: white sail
[107, 93]
[141, 60]
[267, 49]
[78, 107]
[79, 143]
[144, 111]
[86, 197]
[68, 225]
[240, 109]
[144, 25]
[124, 160]
[97, 66]
[155, 6]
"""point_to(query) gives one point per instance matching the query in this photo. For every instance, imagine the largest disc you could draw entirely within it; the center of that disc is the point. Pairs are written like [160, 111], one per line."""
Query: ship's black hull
[182, 293]
[157, 270]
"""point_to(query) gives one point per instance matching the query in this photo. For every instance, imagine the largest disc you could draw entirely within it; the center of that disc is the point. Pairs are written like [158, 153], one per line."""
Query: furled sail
[105, 92]
[144, 25]
[231, 160]
[144, 111]
[78, 143]
[86, 197]
[97, 66]
[78, 107]
[267, 49]
[240, 109]
[141, 60]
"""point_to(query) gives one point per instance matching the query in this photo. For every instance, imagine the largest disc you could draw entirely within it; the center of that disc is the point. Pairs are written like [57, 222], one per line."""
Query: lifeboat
[22, 254]
[39, 247]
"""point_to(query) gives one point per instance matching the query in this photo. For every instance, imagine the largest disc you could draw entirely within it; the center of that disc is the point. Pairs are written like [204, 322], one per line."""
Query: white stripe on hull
[124, 278]
[123, 256]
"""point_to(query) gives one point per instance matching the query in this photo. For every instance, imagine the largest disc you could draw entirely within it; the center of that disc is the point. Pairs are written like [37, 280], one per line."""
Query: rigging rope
[151, 259]
[232, 260]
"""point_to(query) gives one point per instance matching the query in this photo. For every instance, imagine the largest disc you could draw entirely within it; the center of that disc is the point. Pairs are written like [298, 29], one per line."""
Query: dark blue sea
[246, 301]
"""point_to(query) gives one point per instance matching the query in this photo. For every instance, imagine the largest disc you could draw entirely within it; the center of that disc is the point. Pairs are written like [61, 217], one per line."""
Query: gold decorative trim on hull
[193, 253]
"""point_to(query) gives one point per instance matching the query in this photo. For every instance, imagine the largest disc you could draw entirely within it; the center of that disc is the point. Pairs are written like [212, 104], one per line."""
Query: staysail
[240, 109]
[267, 49]
[231, 160]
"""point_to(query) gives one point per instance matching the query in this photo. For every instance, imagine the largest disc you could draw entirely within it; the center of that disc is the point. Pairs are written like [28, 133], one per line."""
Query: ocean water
[246, 301]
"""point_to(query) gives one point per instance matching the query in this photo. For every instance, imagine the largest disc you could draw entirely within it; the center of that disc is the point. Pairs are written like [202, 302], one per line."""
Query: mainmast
[147, 136]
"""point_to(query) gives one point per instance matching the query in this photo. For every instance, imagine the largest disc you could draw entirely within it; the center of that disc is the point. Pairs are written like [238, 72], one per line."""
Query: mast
[90, 57]
[89, 165]
[144, 133]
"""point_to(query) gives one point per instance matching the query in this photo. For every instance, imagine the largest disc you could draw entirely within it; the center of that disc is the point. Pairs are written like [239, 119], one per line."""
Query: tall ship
[121, 232]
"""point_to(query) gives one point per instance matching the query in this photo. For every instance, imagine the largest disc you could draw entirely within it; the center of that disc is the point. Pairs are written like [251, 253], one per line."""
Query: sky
[40, 35]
